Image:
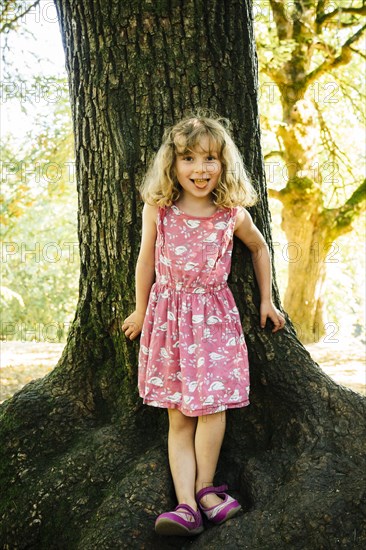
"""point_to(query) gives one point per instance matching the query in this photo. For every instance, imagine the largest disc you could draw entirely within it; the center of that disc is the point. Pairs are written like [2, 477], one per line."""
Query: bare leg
[208, 440]
[182, 459]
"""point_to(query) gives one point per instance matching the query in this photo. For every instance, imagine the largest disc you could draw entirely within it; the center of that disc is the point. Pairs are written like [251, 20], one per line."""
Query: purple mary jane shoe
[223, 511]
[183, 521]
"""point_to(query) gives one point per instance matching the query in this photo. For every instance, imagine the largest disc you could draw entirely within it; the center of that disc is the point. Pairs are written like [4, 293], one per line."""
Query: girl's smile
[198, 171]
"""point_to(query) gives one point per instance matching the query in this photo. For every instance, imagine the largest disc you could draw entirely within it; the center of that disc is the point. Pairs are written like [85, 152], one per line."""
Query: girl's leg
[210, 433]
[182, 459]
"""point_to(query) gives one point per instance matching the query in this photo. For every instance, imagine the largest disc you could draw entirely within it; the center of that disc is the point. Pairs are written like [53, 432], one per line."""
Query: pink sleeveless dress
[193, 355]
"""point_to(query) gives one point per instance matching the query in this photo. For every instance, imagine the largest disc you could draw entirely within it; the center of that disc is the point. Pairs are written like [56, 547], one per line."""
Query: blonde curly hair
[160, 185]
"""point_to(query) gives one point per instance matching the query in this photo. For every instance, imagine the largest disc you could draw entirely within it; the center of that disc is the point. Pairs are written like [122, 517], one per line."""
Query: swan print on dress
[193, 354]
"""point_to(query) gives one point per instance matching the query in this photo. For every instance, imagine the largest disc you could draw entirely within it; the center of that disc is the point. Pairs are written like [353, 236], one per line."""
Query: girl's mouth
[200, 183]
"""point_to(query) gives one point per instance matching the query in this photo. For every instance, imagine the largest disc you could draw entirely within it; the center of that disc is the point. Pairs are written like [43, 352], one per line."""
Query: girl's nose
[199, 169]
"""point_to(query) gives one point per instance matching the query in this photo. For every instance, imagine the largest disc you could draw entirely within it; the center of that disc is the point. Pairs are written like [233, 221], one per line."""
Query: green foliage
[40, 261]
[40, 256]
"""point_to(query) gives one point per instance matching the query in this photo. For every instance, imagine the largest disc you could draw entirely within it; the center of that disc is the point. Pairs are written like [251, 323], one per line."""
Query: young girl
[193, 358]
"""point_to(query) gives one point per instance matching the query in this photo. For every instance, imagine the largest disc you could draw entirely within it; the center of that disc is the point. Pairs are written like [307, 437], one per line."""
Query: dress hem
[207, 409]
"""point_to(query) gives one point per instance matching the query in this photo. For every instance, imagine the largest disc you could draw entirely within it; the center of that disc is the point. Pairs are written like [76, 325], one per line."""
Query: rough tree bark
[310, 226]
[83, 463]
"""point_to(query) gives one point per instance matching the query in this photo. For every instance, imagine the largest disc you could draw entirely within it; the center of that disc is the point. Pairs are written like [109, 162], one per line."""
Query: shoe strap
[212, 489]
[186, 507]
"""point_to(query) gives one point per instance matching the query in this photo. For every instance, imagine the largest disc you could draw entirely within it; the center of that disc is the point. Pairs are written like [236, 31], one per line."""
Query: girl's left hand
[268, 309]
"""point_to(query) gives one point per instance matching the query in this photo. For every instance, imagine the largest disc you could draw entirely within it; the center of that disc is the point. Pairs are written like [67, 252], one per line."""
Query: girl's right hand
[132, 325]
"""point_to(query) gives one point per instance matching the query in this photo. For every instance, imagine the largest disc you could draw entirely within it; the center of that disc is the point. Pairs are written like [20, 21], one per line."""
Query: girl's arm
[248, 233]
[144, 273]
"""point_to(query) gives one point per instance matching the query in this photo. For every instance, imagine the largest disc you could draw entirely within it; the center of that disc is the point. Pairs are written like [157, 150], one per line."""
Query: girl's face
[198, 171]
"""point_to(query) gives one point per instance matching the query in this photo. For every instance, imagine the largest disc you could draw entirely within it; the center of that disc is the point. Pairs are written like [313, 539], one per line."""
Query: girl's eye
[187, 158]
[211, 158]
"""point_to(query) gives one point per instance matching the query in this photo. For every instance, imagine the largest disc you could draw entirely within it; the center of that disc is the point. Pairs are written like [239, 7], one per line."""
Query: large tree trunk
[308, 251]
[84, 464]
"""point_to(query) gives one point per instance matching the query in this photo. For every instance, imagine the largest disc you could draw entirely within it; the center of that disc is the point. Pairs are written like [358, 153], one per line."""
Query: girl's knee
[178, 421]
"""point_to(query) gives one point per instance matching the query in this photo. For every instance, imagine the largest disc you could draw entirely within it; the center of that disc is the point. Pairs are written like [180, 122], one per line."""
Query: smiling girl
[193, 358]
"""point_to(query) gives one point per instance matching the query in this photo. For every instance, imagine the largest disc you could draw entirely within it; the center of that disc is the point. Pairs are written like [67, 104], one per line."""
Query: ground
[22, 362]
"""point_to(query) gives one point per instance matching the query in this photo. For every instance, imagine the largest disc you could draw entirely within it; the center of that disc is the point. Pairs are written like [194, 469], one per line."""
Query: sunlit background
[40, 262]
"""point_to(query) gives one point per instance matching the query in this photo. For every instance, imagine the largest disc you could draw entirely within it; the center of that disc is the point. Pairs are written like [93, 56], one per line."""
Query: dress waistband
[194, 289]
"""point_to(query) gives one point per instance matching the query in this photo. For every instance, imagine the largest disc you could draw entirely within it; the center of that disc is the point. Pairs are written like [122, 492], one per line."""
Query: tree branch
[322, 46]
[346, 214]
[274, 154]
[283, 25]
[8, 25]
[278, 76]
[323, 17]
[359, 53]
[344, 58]
[357, 108]
[274, 194]
[335, 153]
[342, 24]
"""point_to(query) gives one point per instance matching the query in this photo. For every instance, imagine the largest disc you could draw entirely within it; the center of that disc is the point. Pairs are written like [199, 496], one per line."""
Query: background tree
[83, 463]
[39, 248]
[310, 40]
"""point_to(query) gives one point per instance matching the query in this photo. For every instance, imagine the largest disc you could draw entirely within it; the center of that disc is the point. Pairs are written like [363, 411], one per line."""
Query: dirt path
[22, 362]
[344, 361]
